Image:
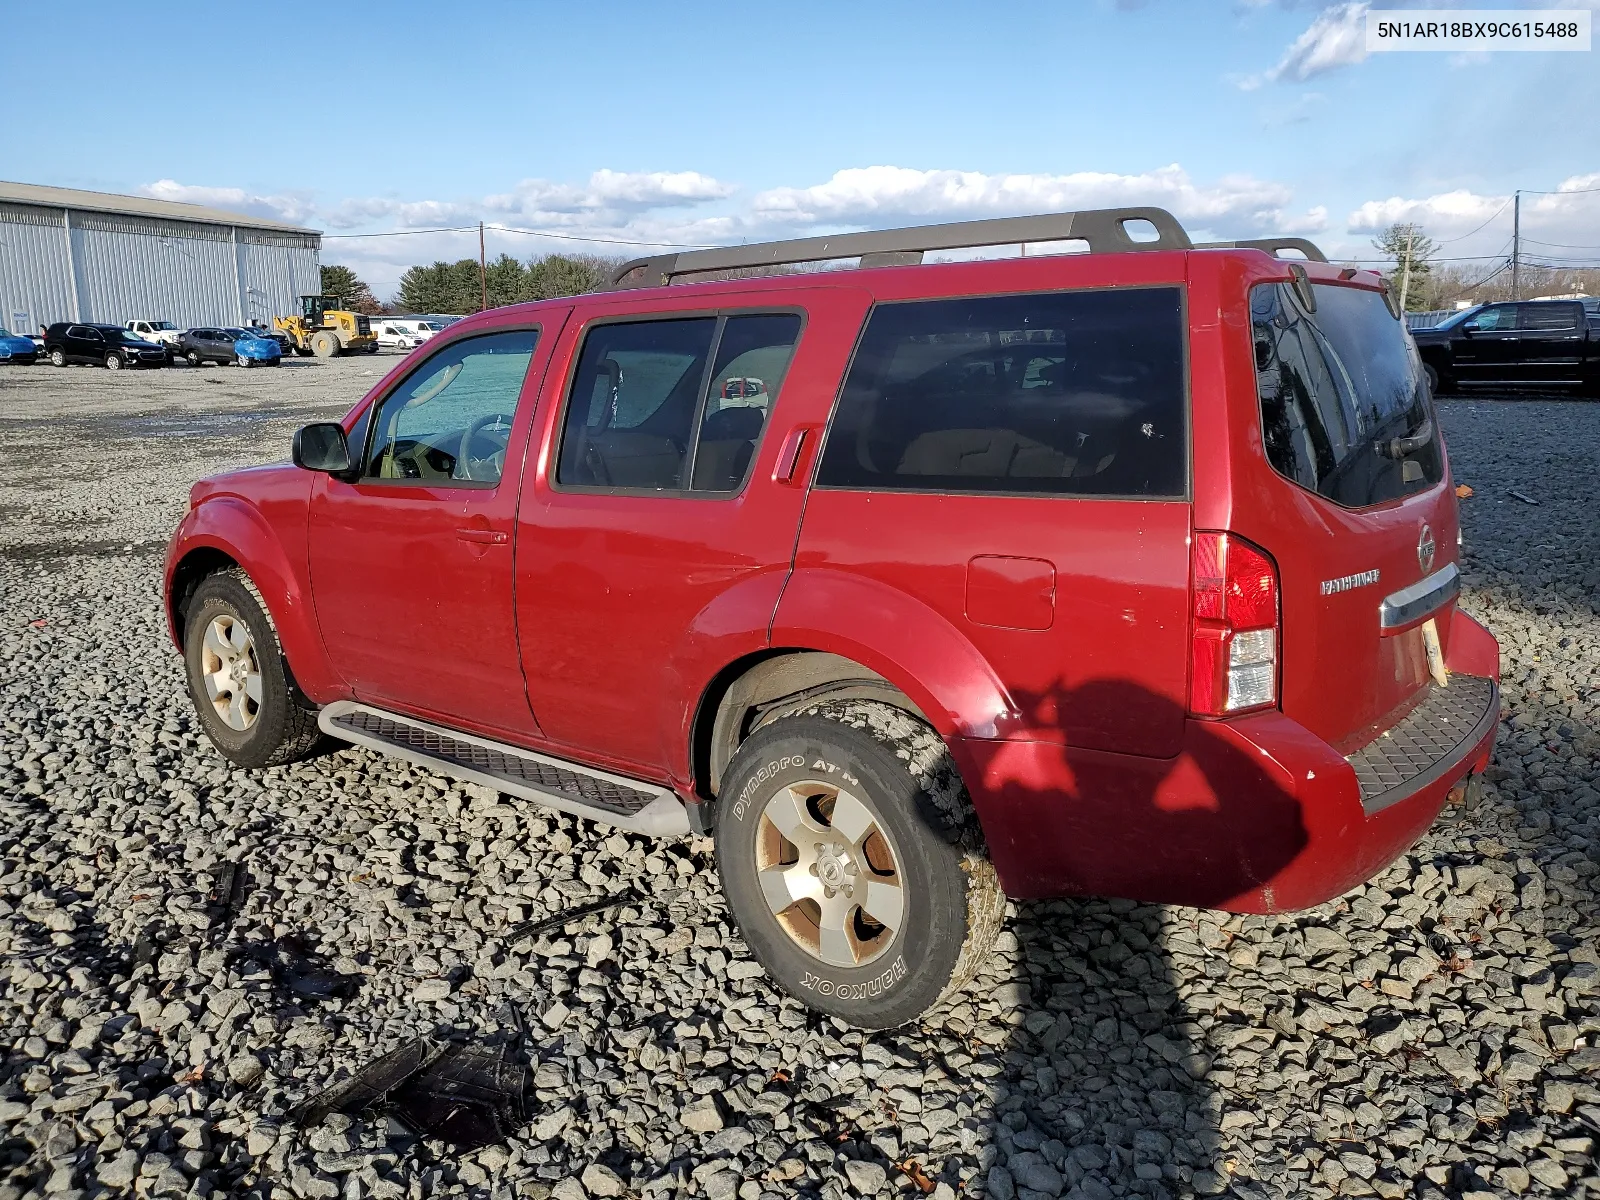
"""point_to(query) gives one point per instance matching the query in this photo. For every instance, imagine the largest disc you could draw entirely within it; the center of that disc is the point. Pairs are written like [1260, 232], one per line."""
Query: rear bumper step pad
[1429, 744]
[630, 804]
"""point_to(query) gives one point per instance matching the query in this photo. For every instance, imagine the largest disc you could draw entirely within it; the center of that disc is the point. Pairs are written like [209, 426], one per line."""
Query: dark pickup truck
[1529, 343]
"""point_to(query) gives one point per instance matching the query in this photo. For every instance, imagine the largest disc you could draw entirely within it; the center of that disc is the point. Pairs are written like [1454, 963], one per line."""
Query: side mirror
[321, 447]
[1470, 326]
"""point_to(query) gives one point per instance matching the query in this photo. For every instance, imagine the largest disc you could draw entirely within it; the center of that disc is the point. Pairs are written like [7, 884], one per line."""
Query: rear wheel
[240, 685]
[850, 858]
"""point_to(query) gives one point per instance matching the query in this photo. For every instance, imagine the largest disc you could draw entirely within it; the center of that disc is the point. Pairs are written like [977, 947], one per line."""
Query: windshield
[242, 333]
[162, 325]
[4, 332]
[130, 336]
[1344, 402]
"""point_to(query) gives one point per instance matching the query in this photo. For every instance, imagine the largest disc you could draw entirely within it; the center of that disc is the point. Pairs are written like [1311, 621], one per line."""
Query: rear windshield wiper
[1399, 447]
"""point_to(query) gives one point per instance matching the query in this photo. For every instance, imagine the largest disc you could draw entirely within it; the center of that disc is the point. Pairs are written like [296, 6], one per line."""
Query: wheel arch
[760, 688]
[226, 532]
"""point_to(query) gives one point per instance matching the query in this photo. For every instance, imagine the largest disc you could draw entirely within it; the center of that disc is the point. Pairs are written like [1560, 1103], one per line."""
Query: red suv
[1129, 572]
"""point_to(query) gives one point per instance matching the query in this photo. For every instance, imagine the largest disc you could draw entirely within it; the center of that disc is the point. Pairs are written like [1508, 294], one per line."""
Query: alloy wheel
[829, 873]
[232, 672]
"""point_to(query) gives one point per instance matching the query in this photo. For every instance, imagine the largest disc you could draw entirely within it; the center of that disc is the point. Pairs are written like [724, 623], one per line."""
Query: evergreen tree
[351, 289]
[1403, 241]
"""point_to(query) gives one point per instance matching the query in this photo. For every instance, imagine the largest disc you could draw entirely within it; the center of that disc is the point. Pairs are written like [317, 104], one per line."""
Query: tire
[58, 358]
[114, 361]
[1433, 378]
[914, 834]
[324, 345]
[276, 725]
[242, 361]
[194, 358]
[302, 351]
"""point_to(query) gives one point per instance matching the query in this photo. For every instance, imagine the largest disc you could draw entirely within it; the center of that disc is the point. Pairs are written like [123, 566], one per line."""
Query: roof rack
[1271, 245]
[1104, 229]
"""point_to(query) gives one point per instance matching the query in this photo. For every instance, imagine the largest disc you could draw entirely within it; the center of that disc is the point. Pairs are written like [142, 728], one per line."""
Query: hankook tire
[849, 855]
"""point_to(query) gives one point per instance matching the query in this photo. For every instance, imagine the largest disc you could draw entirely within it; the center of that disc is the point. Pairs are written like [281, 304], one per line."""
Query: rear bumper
[1254, 815]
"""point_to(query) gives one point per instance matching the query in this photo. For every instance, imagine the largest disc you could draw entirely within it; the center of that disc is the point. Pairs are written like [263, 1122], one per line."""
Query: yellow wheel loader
[325, 327]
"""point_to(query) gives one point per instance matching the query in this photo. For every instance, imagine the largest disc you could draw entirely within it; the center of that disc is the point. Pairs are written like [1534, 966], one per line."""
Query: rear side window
[1062, 393]
[1552, 318]
[646, 413]
[1344, 403]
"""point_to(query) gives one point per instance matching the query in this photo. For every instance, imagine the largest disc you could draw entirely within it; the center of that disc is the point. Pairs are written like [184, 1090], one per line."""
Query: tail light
[1234, 640]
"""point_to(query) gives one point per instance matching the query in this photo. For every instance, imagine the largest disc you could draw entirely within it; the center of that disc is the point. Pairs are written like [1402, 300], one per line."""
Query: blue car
[245, 347]
[14, 349]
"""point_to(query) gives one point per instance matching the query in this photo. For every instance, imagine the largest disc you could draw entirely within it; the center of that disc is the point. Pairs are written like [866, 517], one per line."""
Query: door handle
[484, 537]
[789, 455]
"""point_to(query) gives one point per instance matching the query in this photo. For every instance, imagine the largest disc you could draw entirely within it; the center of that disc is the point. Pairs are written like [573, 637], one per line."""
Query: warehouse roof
[141, 206]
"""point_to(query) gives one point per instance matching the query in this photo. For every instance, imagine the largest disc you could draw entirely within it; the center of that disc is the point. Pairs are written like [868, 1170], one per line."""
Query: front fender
[902, 639]
[235, 527]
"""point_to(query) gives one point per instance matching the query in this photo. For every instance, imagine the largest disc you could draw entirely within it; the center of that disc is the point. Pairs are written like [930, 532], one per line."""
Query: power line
[548, 233]
[1485, 225]
[607, 241]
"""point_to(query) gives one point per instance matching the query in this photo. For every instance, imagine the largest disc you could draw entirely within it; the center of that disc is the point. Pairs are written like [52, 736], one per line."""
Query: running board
[629, 804]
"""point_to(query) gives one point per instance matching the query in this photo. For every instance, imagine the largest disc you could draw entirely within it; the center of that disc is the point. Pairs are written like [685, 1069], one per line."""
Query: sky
[713, 124]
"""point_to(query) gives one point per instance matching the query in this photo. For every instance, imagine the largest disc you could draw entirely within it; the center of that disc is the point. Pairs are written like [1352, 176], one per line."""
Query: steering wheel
[494, 428]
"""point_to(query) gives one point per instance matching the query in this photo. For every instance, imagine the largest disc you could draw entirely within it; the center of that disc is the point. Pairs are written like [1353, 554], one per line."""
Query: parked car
[242, 347]
[110, 345]
[14, 349]
[162, 333]
[393, 335]
[1527, 343]
[285, 342]
[977, 595]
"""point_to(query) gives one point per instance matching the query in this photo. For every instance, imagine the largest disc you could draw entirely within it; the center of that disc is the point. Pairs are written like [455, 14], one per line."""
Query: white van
[403, 333]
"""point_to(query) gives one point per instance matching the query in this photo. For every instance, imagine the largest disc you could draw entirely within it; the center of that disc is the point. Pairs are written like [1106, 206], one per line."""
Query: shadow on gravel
[1104, 1089]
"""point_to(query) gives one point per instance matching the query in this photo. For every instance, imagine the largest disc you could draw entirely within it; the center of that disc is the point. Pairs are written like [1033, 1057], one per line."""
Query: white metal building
[67, 255]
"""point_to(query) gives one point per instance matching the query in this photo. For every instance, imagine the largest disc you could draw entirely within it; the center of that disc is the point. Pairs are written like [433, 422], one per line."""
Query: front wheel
[113, 361]
[194, 358]
[242, 361]
[58, 358]
[238, 681]
[850, 857]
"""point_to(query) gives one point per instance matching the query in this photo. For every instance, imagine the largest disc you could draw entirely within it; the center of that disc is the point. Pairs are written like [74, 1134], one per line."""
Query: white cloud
[1558, 226]
[885, 194]
[291, 208]
[1336, 38]
[686, 208]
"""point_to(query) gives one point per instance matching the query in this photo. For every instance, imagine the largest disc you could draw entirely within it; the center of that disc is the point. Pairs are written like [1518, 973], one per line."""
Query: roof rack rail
[1271, 245]
[1104, 229]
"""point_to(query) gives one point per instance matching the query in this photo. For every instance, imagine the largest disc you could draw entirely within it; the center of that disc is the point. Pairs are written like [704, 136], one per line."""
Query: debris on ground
[464, 1096]
[1462, 491]
[296, 968]
[538, 925]
[1526, 499]
[228, 893]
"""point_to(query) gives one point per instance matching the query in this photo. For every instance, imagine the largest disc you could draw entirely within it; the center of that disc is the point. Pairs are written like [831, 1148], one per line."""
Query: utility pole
[483, 270]
[1405, 275]
[1516, 246]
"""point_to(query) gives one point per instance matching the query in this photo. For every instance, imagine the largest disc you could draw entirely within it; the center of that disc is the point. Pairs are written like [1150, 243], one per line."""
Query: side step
[629, 804]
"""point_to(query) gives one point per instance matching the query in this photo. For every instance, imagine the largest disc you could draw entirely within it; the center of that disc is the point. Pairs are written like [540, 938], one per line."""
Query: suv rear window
[1344, 403]
[1065, 393]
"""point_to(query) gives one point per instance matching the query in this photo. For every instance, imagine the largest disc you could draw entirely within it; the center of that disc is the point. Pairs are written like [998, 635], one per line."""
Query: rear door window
[1344, 402]
[1061, 393]
[1551, 318]
[645, 413]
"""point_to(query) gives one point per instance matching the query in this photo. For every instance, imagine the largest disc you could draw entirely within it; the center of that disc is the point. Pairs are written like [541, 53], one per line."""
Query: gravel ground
[1431, 1034]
